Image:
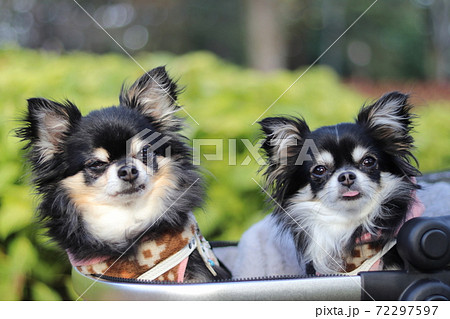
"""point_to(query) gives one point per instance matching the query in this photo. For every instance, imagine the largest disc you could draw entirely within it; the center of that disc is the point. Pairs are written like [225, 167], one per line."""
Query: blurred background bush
[235, 59]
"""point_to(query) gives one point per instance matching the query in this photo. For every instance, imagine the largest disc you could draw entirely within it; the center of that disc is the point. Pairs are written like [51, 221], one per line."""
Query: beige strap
[170, 262]
[366, 265]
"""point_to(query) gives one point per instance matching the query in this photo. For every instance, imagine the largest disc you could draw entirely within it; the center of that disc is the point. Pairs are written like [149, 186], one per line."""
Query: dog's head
[345, 179]
[119, 169]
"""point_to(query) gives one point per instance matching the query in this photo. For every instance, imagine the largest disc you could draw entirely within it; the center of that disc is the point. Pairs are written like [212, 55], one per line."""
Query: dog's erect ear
[46, 126]
[389, 121]
[282, 136]
[154, 95]
[283, 139]
[389, 116]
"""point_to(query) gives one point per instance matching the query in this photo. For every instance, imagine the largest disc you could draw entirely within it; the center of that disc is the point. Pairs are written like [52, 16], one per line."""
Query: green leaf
[22, 255]
[16, 211]
[42, 292]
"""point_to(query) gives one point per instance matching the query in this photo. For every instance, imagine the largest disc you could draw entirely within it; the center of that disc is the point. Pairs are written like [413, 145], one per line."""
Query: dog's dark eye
[96, 164]
[319, 171]
[369, 162]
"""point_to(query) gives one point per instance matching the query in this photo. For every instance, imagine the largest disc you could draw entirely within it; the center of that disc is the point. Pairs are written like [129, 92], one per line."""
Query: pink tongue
[350, 194]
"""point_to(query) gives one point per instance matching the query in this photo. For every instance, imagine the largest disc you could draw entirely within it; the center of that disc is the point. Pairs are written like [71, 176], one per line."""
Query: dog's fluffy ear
[389, 121]
[283, 139]
[388, 117]
[154, 95]
[46, 126]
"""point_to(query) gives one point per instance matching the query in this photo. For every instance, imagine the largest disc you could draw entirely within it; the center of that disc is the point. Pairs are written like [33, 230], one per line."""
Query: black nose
[347, 178]
[128, 173]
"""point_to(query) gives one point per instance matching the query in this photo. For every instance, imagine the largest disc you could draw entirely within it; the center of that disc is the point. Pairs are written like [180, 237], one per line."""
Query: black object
[424, 245]
[427, 289]
[403, 285]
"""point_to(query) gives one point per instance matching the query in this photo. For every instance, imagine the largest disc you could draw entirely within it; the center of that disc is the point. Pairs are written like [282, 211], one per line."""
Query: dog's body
[340, 193]
[116, 178]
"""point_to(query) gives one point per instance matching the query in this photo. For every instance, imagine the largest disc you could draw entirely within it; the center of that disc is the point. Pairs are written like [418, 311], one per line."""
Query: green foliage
[224, 100]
